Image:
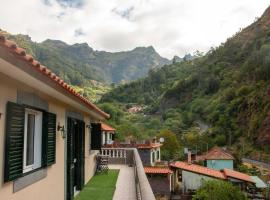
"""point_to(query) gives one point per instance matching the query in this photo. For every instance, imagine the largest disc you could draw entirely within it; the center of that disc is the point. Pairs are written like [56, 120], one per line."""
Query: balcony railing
[130, 156]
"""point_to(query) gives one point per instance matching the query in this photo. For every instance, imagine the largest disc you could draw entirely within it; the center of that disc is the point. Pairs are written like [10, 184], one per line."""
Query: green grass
[100, 187]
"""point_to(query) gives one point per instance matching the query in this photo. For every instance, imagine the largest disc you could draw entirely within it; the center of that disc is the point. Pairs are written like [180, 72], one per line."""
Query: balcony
[132, 183]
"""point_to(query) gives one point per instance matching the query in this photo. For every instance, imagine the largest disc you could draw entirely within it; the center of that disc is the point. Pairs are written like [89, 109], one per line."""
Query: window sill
[29, 178]
[31, 171]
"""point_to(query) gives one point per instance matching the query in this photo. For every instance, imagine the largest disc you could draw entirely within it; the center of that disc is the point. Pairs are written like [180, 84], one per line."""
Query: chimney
[189, 157]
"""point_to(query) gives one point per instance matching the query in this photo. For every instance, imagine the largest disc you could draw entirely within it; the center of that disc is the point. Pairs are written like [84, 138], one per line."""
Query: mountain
[177, 59]
[79, 63]
[228, 90]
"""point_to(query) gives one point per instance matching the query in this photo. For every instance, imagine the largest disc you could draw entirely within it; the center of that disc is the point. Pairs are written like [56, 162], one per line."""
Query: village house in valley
[45, 150]
[188, 177]
[217, 158]
[150, 152]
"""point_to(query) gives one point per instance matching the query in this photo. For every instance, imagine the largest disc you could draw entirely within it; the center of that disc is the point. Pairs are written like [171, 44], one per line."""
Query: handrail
[144, 190]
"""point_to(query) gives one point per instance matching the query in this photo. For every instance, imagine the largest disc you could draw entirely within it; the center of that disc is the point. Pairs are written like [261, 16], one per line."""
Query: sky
[172, 27]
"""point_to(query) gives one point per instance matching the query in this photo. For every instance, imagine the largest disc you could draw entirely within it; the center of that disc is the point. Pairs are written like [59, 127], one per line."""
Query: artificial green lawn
[100, 187]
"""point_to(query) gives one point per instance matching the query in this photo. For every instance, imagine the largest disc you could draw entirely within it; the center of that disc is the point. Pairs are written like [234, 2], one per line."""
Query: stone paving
[125, 185]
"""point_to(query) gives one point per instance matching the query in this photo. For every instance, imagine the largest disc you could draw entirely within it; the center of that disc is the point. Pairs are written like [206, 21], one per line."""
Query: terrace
[125, 179]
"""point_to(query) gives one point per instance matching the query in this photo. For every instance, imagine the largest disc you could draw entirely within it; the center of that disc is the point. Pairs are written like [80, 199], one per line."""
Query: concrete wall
[52, 186]
[160, 184]
[219, 164]
[192, 181]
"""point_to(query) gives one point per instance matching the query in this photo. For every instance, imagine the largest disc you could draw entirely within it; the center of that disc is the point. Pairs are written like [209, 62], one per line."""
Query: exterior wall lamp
[0, 115]
[62, 130]
[88, 126]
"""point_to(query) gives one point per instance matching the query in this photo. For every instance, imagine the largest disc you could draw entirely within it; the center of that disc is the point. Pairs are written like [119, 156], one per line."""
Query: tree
[115, 112]
[218, 190]
[171, 146]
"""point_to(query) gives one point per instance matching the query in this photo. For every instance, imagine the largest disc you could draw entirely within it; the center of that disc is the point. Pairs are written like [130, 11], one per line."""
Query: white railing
[114, 152]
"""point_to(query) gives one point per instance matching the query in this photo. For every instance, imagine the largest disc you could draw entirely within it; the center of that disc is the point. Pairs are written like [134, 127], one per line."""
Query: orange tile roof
[20, 53]
[149, 146]
[217, 153]
[106, 127]
[198, 169]
[237, 175]
[157, 170]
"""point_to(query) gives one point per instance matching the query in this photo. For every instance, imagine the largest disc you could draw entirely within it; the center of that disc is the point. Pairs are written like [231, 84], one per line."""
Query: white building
[108, 133]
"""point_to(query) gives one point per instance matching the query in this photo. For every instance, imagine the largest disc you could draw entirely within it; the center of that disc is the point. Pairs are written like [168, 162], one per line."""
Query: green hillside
[222, 97]
[79, 63]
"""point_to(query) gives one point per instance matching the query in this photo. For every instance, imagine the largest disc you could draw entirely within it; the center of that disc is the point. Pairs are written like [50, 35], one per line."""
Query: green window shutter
[14, 145]
[70, 157]
[81, 161]
[96, 136]
[49, 139]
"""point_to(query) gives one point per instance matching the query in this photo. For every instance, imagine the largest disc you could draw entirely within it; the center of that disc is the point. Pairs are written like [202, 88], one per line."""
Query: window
[179, 173]
[158, 155]
[32, 140]
[153, 157]
[97, 136]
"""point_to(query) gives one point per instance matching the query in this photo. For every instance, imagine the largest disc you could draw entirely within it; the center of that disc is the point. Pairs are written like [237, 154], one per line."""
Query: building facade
[219, 164]
[45, 148]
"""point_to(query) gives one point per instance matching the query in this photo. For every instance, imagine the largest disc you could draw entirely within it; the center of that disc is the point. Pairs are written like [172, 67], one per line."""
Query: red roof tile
[149, 146]
[216, 153]
[20, 54]
[106, 127]
[199, 169]
[237, 175]
[157, 170]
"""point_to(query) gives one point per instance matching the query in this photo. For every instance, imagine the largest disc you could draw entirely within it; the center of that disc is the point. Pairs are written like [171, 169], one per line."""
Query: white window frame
[153, 156]
[109, 138]
[37, 140]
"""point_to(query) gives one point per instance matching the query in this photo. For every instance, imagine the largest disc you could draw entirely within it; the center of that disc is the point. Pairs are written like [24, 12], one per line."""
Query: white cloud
[173, 27]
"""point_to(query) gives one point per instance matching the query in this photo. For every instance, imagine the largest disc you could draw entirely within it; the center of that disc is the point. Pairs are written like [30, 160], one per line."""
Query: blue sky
[173, 27]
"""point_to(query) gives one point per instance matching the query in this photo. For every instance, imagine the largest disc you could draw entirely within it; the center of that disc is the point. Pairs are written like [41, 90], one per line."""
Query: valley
[223, 93]
[227, 88]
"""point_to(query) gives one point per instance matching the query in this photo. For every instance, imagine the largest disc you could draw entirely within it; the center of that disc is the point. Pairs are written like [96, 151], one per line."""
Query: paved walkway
[125, 185]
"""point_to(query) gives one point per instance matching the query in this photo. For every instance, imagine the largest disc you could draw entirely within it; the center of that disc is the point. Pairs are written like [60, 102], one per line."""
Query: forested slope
[228, 89]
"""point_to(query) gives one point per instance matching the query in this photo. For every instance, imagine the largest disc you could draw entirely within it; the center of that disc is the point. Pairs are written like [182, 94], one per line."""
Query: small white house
[149, 153]
[108, 134]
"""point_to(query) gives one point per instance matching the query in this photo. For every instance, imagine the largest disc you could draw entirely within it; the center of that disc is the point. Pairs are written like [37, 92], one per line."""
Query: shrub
[218, 190]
